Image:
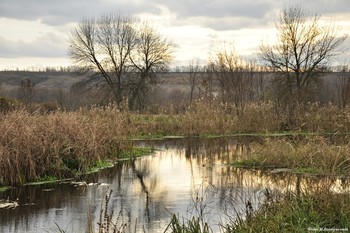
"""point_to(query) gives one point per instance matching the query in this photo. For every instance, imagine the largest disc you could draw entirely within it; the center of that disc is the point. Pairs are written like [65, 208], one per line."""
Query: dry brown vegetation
[34, 145]
[204, 118]
[310, 154]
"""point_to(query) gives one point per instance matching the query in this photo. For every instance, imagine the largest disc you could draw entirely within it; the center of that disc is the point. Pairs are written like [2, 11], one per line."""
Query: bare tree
[257, 79]
[206, 88]
[152, 54]
[120, 50]
[103, 45]
[61, 96]
[234, 78]
[305, 45]
[342, 85]
[26, 91]
[193, 70]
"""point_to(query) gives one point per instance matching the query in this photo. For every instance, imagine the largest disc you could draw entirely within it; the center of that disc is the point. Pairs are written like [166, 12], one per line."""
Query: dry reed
[204, 118]
[316, 155]
[34, 145]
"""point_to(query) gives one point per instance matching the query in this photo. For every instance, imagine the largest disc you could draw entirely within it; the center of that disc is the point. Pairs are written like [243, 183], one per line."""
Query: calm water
[188, 177]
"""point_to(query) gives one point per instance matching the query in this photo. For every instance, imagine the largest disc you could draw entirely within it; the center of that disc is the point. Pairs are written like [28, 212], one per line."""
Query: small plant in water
[106, 223]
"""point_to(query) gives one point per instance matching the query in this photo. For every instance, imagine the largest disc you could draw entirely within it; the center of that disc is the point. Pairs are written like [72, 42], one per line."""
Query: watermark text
[325, 229]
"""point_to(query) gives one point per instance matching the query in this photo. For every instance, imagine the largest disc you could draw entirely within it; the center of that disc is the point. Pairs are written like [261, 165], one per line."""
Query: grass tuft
[310, 155]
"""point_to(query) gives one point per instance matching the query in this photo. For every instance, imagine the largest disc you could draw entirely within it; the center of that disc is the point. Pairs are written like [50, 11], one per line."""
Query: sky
[34, 33]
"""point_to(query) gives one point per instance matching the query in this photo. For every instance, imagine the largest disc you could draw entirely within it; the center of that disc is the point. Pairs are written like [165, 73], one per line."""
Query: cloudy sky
[34, 33]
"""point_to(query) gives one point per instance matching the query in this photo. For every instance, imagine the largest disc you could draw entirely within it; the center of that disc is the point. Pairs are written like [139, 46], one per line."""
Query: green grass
[247, 164]
[149, 136]
[44, 180]
[308, 170]
[99, 165]
[4, 188]
[135, 152]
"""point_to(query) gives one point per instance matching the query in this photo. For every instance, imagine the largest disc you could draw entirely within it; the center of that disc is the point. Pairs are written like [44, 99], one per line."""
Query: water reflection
[184, 176]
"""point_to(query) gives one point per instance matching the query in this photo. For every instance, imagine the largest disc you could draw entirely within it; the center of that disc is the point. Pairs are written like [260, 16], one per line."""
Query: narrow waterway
[187, 177]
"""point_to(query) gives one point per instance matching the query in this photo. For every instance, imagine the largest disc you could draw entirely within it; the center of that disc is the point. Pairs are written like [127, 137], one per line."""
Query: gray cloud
[50, 45]
[326, 6]
[205, 12]
[218, 8]
[221, 14]
[233, 14]
[53, 12]
[224, 23]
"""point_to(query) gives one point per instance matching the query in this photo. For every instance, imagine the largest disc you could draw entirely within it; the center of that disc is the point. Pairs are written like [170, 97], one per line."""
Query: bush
[6, 105]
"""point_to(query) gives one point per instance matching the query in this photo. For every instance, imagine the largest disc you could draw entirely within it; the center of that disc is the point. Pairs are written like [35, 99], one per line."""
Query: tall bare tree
[120, 50]
[206, 88]
[26, 91]
[193, 69]
[305, 45]
[342, 85]
[152, 54]
[103, 45]
[233, 77]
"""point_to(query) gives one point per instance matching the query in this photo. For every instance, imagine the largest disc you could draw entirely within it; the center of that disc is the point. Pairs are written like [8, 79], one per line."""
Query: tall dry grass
[315, 154]
[34, 145]
[203, 118]
[323, 118]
